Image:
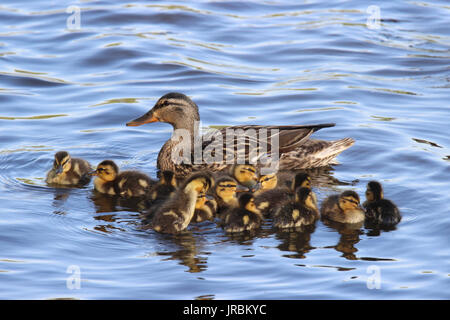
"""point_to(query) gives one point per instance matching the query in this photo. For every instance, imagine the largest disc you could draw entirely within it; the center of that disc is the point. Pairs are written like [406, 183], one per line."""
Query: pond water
[72, 73]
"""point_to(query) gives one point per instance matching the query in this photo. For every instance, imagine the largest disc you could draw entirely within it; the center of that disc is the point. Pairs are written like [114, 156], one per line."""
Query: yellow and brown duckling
[205, 208]
[69, 171]
[268, 201]
[175, 214]
[245, 174]
[379, 211]
[343, 208]
[244, 217]
[300, 212]
[225, 193]
[164, 188]
[125, 183]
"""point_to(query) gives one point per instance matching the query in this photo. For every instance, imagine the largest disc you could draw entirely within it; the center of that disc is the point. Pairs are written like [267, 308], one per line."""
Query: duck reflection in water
[297, 241]
[349, 237]
[183, 247]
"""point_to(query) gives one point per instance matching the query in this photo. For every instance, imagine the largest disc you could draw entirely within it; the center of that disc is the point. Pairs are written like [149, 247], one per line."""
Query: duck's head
[247, 201]
[349, 201]
[226, 188]
[174, 108]
[304, 196]
[168, 178]
[62, 162]
[201, 200]
[245, 174]
[301, 179]
[198, 182]
[106, 170]
[268, 181]
[374, 191]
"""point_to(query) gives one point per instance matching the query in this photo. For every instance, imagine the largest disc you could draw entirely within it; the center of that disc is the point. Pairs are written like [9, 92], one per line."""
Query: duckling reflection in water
[243, 218]
[176, 212]
[343, 208]
[379, 211]
[126, 183]
[302, 211]
[69, 171]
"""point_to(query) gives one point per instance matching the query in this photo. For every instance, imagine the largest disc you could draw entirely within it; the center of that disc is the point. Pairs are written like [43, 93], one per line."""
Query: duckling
[205, 208]
[266, 182]
[245, 217]
[225, 192]
[380, 211]
[69, 171]
[343, 208]
[166, 185]
[176, 212]
[301, 211]
[269, 201]
[126, 183]
[245, 174]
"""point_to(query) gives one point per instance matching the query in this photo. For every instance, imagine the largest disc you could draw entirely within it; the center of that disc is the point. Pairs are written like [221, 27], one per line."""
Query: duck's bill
[241, 188]
[93, 173]
[146, 118]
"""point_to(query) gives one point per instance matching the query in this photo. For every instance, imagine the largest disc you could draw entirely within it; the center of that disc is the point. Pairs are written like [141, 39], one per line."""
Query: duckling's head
[174, 108]
[304, 196]
[301, 179]
[349, 200]
[268, 181]
[62, 162]
[245, 174]
[226, 188]
[106, 170]
[168, 178]
[374, 191]
[247, 201]
[198, 182]
[201, 200]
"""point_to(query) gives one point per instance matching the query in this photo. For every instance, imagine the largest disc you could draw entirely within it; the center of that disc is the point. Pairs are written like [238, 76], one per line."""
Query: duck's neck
[180, 147]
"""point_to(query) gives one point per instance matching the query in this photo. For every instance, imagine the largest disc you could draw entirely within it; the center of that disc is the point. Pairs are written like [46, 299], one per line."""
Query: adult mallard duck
[212, 152]
[379, 211]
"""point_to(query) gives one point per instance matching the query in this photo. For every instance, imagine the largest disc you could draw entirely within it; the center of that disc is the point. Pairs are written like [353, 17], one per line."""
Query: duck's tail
[314, 153]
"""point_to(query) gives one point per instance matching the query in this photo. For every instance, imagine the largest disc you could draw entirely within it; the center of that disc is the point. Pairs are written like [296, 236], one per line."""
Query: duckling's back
[293, 215]
[134, 183]
[382, 213]
[269, 201]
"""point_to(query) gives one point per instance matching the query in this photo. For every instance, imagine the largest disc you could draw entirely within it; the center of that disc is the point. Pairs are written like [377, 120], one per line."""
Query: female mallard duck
[126, 183]
[245, 217]
[302, 211]
[69, 171]
[380, 211]
[268, 201]
[343, 208]
[294, 149]
[176, 212]
[205, 209]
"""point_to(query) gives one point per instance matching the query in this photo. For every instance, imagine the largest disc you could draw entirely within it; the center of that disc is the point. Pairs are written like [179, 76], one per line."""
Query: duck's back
[382, 212]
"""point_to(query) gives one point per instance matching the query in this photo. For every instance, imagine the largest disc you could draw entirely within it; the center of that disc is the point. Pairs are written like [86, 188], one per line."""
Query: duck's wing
[258, 139]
